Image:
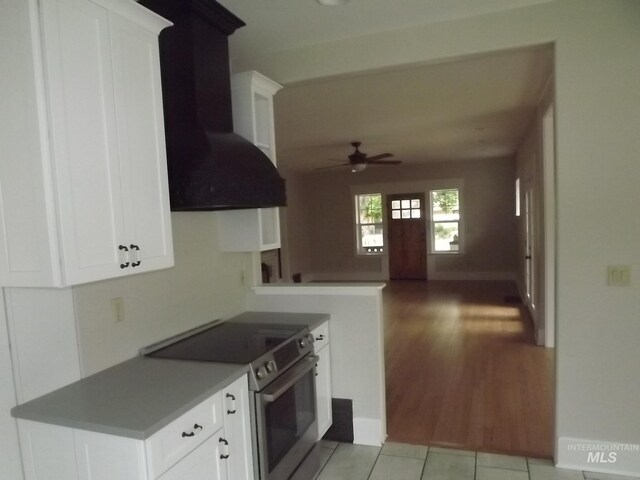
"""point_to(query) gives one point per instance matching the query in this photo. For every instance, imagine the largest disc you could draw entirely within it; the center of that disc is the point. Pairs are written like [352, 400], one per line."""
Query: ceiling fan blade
[384, 162]
[380, 157]
[332, 166]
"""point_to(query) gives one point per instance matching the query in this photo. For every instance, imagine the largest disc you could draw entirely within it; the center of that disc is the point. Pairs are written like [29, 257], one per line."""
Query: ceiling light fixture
[358, 167]
[332, 3]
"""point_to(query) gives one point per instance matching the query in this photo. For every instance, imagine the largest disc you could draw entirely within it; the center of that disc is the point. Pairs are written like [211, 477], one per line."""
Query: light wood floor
[463, 371]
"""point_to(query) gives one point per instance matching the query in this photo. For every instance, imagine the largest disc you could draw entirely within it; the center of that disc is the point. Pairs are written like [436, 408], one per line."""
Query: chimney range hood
[210, 167]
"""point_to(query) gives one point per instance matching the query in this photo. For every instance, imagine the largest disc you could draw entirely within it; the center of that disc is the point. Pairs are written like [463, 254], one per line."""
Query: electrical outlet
[619, 275]
[117, 309]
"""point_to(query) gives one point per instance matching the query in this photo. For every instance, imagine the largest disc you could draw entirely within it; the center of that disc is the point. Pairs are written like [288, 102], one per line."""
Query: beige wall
[203, 285]
[324, 208]
[597, 116]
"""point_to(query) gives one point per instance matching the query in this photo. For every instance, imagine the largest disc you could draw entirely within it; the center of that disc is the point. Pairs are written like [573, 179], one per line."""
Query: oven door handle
[280, 386]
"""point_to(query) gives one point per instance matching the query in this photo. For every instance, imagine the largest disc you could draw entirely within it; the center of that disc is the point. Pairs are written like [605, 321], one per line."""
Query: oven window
[289, 417]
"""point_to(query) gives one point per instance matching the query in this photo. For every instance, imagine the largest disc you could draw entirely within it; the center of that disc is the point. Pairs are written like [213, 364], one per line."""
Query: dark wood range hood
[210, 167]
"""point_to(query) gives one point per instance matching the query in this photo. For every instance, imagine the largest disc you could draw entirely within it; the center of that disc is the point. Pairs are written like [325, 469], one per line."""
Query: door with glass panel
[407, 236]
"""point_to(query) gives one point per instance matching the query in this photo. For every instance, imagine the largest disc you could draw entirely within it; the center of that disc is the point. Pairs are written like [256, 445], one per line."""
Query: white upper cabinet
[255, 229]
[83, 184]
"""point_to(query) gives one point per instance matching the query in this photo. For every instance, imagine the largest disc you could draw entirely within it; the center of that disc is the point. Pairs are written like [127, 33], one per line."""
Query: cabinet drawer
[321, 336]
[173, 442]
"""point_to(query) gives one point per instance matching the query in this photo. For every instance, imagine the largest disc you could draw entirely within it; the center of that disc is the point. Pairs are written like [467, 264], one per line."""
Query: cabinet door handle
[126, 250]
[135, 248]
[193, 432]
[233, 399]
[224, 448]
[319, 338]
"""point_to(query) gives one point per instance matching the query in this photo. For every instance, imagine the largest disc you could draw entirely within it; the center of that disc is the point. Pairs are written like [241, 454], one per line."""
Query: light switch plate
[618, 275]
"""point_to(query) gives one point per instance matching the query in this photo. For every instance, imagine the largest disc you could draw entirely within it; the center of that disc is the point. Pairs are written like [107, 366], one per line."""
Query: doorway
[407, 236]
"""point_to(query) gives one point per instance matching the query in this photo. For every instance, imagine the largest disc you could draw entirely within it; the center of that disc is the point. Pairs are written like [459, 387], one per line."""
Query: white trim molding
[618, 458]
[347, 289]
[368, 431]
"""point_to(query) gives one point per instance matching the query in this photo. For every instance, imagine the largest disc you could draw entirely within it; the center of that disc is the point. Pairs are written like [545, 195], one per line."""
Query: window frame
[432, 223]
[360, 249]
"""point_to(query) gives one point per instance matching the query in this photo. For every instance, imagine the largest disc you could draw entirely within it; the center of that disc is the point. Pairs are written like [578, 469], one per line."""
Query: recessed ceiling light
[332, 3]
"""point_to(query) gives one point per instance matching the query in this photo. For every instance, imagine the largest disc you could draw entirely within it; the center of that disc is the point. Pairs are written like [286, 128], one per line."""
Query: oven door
[286, 420]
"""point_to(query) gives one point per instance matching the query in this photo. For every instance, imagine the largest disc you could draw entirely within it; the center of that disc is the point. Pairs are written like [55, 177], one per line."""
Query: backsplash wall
[205, 284]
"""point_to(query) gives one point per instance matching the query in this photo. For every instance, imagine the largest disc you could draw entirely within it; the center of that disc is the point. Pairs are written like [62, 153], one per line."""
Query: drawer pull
[233, 399]
[319, 338]
[224, 448]
[126, 251]
[136, 249]
[192, 433]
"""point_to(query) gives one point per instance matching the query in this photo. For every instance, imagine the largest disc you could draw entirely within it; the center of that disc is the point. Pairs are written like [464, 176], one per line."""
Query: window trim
[360, 250]
[460, 222]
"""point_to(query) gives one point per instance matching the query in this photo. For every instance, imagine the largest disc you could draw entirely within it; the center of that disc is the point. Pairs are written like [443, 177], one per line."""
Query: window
[406, 208]
[445, 221]
[369, 224]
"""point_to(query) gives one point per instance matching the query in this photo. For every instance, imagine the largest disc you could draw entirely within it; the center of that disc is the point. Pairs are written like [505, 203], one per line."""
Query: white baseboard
[481, 276]
[368, 431]
[345, 277]
[598, 456]
[382, 277]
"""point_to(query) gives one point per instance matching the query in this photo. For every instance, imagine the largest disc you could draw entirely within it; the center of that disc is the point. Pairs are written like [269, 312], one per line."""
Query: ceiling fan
[358, 160]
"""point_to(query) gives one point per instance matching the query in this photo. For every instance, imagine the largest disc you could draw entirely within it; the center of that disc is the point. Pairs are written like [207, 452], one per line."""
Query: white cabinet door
[86, 173]
[143, 161]
[79, 78]
[323, 391]
[237, 427]
[204, 463]
[107, 457]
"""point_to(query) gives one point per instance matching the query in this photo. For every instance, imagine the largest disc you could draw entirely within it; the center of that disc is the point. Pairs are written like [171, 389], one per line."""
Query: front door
[407, 236]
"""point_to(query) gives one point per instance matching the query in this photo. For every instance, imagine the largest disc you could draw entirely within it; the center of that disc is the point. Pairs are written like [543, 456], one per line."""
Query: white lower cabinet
[212, 441]
[323, 379]
[205, 462]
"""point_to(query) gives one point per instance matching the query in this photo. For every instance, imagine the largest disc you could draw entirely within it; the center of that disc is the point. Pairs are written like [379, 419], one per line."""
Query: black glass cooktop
[230, 342]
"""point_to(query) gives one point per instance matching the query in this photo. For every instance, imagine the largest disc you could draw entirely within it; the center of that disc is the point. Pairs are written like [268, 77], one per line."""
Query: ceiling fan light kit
[358, 161]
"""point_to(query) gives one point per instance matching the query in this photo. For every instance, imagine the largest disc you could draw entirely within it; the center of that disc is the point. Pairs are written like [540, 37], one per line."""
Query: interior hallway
[463, 370]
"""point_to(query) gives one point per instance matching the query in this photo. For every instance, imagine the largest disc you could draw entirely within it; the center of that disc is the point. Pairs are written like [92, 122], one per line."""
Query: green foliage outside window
[447, 200]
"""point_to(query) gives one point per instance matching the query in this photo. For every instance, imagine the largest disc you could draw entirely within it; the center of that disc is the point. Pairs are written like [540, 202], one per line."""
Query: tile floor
[396, 461]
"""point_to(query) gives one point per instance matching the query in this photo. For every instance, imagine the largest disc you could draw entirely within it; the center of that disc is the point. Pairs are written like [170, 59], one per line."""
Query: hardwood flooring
[463, 370]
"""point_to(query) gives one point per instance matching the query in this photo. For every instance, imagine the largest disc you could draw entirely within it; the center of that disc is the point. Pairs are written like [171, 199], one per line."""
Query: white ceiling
[470, 109]
[275, 25]
[467, 109]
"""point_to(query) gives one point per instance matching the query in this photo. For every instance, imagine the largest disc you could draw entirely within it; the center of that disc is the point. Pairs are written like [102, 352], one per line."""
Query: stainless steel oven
[285, 417]
[282, 379]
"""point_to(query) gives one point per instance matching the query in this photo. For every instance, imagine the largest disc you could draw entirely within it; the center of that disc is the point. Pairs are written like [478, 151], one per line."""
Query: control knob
[310, 339]
[303, 342]
[270, 366]
[261, 372]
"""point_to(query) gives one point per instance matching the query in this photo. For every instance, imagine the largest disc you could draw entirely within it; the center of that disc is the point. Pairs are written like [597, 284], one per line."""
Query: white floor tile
[547, 472]
[452, 451]
[397, 468]
[487, 473]
[350, 462]
[404, 450]
[502, 461]
[606, 476]
[442, 466]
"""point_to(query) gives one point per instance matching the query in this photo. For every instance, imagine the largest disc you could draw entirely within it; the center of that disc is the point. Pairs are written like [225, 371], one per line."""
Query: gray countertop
[138, 397]
[311, 320]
